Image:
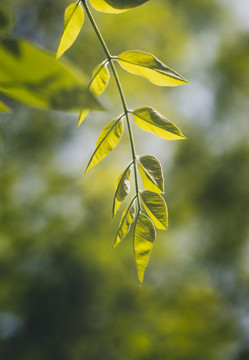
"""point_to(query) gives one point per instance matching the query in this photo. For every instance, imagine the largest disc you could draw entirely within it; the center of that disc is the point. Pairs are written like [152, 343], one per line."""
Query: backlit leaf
[99, 80]
[73, 21]
[148, 66]
[122, 189]
[156, 208]
[106, 142]
[144, 237]
[97, 85]
[115, 6]
[151, 120]
[34, 77]
[127, 219]
[4, 108]
[83, 115]
[151, 172]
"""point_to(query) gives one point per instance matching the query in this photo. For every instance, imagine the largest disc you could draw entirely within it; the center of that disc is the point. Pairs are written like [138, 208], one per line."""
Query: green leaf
[151, 120]
[106, 142]
[115, 6]
[151, 172]
[122, 189]
[156, 208]
[4, 108]
[100, 79]
[127, 219]
[97, 85]
[148, 66]
[144, 237]
[73, 21]
[83, 115]
[34, 77]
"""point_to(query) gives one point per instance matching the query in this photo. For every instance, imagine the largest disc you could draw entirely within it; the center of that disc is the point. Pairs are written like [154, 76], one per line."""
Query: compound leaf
[73, 21]
[156, 208]
[148, 66]
[127, 219]
[100, 79]
[144, 237]
[122, 189]
[151, 120]
[4, 108]
[115, 6]
[151, 172]
[106, 142]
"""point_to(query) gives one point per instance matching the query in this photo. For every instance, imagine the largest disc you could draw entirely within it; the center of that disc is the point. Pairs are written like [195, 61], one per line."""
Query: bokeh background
[64, 294]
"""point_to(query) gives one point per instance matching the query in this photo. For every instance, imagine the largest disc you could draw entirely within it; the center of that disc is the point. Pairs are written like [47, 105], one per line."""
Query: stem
[121, 93]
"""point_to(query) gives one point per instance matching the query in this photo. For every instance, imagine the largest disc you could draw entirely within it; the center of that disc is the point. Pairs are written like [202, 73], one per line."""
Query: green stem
[121, 93]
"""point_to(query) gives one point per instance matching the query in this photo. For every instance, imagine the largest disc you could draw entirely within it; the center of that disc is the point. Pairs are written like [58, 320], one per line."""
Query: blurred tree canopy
[63, 293]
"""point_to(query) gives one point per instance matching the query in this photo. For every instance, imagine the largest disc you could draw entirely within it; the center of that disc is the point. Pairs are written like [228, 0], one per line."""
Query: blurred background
[63, 293]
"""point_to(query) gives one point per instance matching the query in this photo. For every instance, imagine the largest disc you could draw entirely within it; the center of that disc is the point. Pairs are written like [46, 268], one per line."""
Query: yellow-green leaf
[83, 115]
[106, 142]
[100, 79]
[144, 237]
[34, 77]
[4, 108]
[151, 172]
[156, 208]
[122, 189]
[148, 66]
[127, 219]
[151, 120]
[115, 6]
[73, 21]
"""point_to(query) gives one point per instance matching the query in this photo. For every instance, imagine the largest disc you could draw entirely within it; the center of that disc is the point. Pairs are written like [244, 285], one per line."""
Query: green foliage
[148, 119]
[74, 18]
[115, 6]
[148, 66]
[33, 76]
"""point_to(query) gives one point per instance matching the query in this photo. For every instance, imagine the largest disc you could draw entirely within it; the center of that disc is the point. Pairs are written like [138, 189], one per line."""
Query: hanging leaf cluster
[147, 211]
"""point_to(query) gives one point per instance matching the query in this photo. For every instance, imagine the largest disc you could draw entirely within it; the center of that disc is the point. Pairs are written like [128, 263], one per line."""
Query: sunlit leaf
[127, 219]
[151, 172]
[151, 120]
[97, 85]
[122, 189]
[4, 108]
[115, 6]
[106, 142]
[144, 237]
[148, 66]
[156, 208]
[99, 80]
[83, 115]
[73, 21]
[34, 77]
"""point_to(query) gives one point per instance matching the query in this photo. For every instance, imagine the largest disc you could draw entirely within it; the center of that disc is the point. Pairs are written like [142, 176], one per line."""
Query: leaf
[127, 219]
[122, 189]
[83, 115]
[73, 21]
[34, 77]
[148, 66]
[97, 86]
[151, 172]
[156, 208]
[144, 237]
[4, 108]
[100, 79]
[115, 6]
[106, 142]
[151, 120]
